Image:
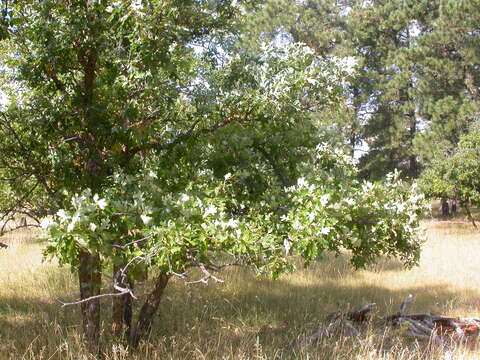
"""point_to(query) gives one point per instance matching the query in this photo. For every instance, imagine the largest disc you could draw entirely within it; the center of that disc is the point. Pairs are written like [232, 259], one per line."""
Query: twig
[124, 290]
[208, 276]
[132, 242]
[439, 330]
[64, 304]
[359, 315]
[181, 276]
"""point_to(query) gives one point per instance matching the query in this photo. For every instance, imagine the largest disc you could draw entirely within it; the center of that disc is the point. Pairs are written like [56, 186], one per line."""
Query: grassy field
[248, 317]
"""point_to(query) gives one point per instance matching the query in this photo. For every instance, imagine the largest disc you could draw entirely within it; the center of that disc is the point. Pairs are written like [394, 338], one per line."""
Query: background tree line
[414, 89]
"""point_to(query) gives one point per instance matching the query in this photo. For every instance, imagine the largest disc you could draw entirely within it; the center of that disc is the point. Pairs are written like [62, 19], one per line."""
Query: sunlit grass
[248, 317]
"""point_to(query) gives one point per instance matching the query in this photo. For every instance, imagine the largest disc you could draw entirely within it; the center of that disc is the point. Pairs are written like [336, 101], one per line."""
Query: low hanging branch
[124, 292]
[119, 278]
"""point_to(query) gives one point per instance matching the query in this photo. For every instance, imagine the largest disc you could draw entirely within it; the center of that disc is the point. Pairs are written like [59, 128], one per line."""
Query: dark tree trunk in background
[413, 166]
[445, 208]
[148, 311]
[90, 279]
[354, 131]
[453, 206]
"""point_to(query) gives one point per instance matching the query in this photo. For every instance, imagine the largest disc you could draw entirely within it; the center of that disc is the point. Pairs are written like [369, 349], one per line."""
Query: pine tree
[415, 88]
[385, 32]
[449, 55]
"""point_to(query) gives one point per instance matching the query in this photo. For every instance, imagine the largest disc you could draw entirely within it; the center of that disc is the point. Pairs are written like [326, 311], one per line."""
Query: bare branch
[117, 279]
[124, 290]
[17, 227]
[181, 276]
[417, 325]
[64, 304]
[206, 278]
[324, 331]
[405, 304]
[132, 242]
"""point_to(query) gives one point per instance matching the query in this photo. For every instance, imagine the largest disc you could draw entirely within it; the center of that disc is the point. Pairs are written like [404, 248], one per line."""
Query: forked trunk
[149, 308]
[122, 308]
[90, 279]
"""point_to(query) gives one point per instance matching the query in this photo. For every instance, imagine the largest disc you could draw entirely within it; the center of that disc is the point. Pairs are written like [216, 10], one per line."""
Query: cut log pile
[439, 330]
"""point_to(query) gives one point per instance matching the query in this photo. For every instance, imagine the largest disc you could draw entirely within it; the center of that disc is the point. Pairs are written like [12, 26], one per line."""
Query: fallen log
[440, 330]
[359, 315]
[453, 329]
[321, 332]
[341, 319]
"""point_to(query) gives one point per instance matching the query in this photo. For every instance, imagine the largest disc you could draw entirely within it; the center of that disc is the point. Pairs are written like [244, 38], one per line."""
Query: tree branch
[206, 278]
[64, 304]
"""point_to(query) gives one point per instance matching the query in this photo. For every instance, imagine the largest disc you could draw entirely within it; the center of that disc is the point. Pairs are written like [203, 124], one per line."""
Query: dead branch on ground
[439, 330]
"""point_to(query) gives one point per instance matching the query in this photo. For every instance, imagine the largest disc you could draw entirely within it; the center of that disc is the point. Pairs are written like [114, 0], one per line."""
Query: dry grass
[247, 317]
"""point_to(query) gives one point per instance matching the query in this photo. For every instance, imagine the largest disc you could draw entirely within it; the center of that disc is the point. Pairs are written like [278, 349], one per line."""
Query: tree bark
[90, 279]
[122, 308]
[149, 308]
[354, 132]
[413, 166]
[445, 208]
[453, 206]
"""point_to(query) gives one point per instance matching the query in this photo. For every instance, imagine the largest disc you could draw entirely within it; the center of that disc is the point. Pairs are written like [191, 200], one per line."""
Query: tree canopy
[145, 148]
[455, 176]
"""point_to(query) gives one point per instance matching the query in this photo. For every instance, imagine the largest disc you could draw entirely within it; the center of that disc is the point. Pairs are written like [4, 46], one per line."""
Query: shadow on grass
[26, 320]
[278, 313]
[242, 313]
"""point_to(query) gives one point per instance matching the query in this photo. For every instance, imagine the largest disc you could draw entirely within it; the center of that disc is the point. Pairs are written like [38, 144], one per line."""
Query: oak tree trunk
[90, 279]
[148, 310]
[122, 308]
